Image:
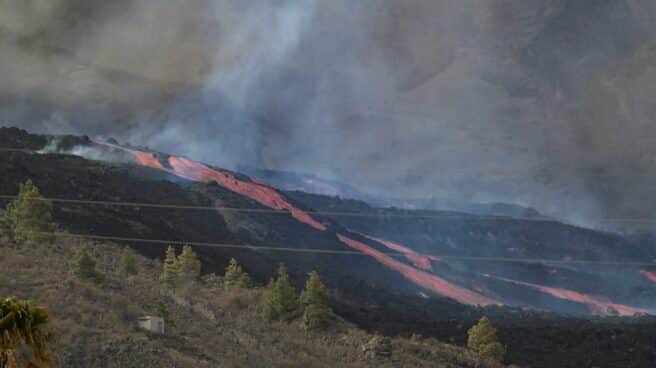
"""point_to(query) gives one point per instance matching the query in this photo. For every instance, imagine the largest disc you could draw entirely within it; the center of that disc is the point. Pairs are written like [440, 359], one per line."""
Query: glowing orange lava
[196, 171]
[649, 275]
[596, 305]
[271, 198]
[143, 158]
[421, 278]
[263, 194]
[419, 260]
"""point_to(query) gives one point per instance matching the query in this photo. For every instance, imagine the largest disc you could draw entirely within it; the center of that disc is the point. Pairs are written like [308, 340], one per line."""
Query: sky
[542, 103]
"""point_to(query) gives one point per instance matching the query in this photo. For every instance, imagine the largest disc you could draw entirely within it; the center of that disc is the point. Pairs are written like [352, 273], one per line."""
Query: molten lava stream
[269, 197]
[419, 260]
[421, 278]
[195, 171]
[143, 158]
[649, 275]
[263, 194]
[596, 306]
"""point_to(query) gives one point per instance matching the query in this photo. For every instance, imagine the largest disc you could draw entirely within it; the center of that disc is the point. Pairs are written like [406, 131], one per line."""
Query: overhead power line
[463, 216]
[344, 252]
[415, 213]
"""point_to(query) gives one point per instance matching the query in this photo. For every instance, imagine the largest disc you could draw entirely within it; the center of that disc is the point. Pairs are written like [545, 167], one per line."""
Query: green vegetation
[188, 265]
[169, 274]
[280, 301]
[96, 324]
[180, 269]
[83, 265]
[127, 263]
[314, 298]
[28, 219]
[235, 276]
[22, 329]
[161, 310]
[484, 341]
[6, 229]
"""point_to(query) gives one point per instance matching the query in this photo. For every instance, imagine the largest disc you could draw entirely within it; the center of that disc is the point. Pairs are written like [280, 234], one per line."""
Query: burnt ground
[361, 286]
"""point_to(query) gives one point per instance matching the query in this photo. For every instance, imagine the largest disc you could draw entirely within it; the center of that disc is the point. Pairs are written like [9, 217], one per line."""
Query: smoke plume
[540, 103]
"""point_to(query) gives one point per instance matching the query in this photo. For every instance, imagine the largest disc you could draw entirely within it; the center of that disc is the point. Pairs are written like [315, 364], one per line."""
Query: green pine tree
[280, 301]
[169, 275]
[188, 265]
[6, 228]
[83, 265]
[127, 263]
[482, 339]
[315, 298]
[235, 276]
[30, 216]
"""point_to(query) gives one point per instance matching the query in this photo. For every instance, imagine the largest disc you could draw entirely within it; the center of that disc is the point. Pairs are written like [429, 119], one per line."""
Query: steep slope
[366, 292]
[549, 280]
[96, 323]
[405, 249]
[273, 199]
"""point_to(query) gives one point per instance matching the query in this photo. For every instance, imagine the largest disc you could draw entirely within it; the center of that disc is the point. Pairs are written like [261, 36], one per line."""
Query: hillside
[97, 327]
[148, 207]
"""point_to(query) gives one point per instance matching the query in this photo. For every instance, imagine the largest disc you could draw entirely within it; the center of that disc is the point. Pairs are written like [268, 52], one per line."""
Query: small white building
[152, 324]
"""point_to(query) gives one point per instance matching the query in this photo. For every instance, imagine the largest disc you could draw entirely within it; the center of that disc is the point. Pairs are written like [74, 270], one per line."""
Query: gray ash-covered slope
[73, 177]
[366, 292]
[561, 285]
[569, 287]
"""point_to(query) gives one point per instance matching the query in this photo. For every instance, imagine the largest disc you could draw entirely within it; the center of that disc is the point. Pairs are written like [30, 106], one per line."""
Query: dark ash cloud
[541, 103]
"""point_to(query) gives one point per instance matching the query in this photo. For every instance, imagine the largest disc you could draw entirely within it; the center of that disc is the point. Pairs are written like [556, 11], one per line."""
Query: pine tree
[30, 216]
[6, 231]
[127, 263]
[188, 265]
[235, 276]
[169, 274]
[280, 302]
[315, 298]
[482, 339]
[83, 266]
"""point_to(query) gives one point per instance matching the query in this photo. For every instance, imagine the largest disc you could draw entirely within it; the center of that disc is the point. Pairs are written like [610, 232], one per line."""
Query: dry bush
[213, 326]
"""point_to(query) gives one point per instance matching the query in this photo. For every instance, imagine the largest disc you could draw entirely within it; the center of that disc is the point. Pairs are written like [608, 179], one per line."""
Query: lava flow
[271, 198]
[196, 171]
[429, 281]
[595, 305]
[419, 260]
[649, 275]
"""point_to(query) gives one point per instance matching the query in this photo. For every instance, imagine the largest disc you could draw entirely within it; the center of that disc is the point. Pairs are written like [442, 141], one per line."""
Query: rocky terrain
[367, 292]
[97, 321]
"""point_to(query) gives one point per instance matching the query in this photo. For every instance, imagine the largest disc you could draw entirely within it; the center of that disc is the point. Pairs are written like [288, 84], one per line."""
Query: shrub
[28, 219]
[315, 298]
[169, 274]
[83, 265]
[280, 301]
[161, 310]
[188, 265]
[483, 340]
[127, 263]
[22, 325]
[235, 276]
[213, 281]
